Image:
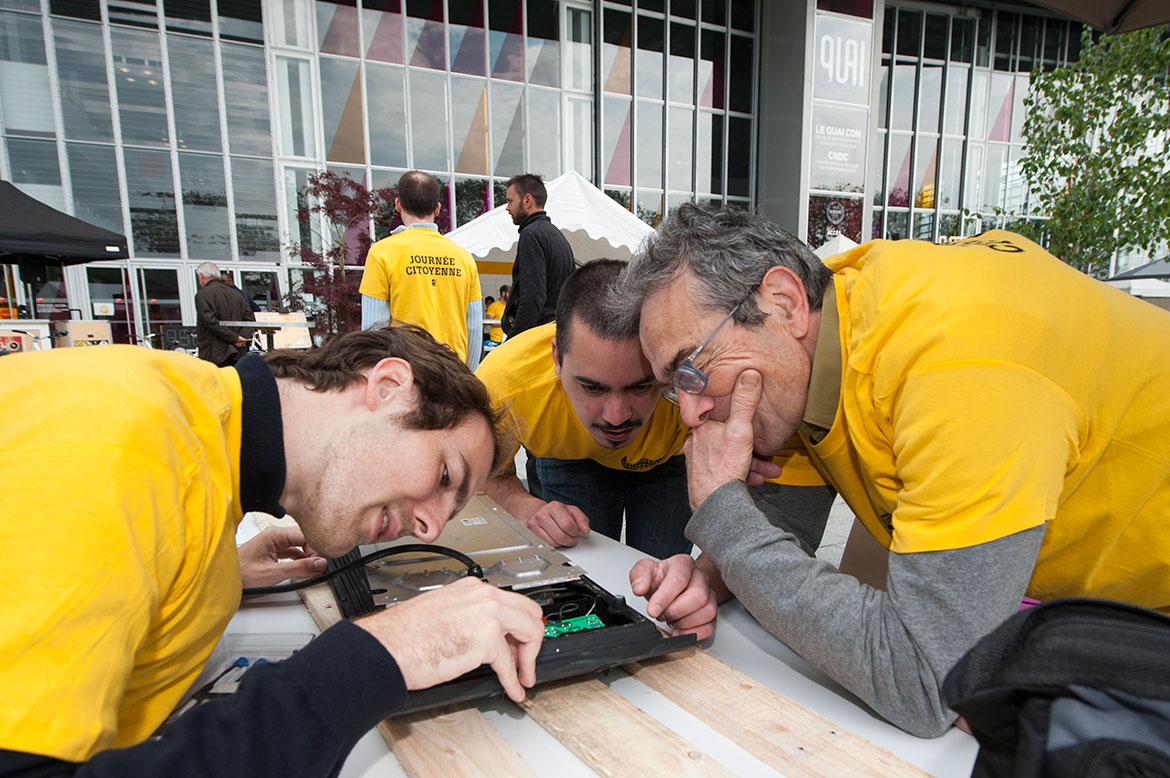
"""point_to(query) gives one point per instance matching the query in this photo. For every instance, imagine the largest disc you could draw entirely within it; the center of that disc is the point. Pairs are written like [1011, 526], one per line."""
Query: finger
[766, 468]
[526, 653]
[292, 552]
[690, 600]
[539, 531]
[705, 613]
[286, 536]
[522, 624]
[641, 576]
[557, 536]
[566, 518]
[745, 398]
[674, 581]
[700, 633]
[303, 568]
[505, 668]
[579, 517]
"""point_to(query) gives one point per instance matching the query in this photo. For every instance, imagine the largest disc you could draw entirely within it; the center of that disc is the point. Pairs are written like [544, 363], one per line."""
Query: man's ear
[390, 384]
[556, 355]
[438, 210]
[782, 295]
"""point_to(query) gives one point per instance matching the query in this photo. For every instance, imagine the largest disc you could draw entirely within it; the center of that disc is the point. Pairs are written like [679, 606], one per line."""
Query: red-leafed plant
[336, 253]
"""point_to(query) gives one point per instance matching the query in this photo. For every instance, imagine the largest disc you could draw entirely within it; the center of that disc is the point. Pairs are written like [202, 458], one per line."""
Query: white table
[269, 328]
[739, 641]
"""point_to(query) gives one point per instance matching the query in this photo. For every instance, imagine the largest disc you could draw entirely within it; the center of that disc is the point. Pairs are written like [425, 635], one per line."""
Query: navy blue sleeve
[297, 717]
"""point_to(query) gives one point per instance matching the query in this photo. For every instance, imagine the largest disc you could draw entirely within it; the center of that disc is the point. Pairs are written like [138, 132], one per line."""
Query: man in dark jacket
[227, 279]
[215, 302]
[543, 257]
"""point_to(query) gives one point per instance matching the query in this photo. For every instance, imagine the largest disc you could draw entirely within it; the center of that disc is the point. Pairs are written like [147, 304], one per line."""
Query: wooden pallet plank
[452, 742]
[621, 740]
[612, 735]
[322, 605]
[766, 724]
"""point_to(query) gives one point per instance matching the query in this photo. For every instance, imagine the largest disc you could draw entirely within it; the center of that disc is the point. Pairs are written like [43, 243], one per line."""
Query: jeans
[654, 501]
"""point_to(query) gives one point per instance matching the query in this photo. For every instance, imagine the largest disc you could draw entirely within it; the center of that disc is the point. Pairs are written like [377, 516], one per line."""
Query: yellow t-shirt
[120, 507]
[496, 311]
[988, 388]
[796, 466]
[521, 377]
[428, 280]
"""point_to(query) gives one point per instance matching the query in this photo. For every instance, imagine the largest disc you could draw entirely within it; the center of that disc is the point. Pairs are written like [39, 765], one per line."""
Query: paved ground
[836, 532]
[832, 543]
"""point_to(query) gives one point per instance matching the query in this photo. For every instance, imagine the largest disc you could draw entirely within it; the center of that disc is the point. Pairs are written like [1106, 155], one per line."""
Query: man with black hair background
[544, 258]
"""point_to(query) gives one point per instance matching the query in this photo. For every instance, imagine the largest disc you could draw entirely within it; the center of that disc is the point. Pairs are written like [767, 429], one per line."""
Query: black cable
[473, 569]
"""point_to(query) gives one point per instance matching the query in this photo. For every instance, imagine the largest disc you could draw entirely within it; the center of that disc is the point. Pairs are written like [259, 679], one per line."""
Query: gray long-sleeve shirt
[893, 648]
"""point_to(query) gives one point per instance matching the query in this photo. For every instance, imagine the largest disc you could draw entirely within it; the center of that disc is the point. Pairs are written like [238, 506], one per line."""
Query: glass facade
[950, 116]
[666, 73]
[475, 91]
[193, 125]
[151, 119]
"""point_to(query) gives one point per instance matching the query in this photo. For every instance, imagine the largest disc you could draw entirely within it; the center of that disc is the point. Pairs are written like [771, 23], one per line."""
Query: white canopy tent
[596, 226]
[835, 246]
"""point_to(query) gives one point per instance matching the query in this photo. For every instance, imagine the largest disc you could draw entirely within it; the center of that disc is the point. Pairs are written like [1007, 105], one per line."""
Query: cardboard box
[81, 333]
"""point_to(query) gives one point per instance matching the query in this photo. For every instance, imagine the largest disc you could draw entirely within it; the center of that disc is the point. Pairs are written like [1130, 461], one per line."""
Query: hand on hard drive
[445, 633]
[678, 592]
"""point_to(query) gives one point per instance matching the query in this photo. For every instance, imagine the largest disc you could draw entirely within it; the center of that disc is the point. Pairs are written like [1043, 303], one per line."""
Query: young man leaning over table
[129, 470]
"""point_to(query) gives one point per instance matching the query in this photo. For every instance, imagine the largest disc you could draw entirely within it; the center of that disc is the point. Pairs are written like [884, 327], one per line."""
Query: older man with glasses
[995, 419]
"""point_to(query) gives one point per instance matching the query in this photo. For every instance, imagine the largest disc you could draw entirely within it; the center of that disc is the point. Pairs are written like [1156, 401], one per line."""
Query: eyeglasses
[688, 378]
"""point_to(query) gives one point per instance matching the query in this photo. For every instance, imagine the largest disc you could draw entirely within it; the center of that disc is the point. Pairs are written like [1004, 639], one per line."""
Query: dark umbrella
[1113, 16]
[32, 233]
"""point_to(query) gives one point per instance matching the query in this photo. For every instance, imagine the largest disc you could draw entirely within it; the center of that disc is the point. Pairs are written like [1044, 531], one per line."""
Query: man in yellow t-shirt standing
[496, 311]
[995, 418]
[601, 440]
[420, 277]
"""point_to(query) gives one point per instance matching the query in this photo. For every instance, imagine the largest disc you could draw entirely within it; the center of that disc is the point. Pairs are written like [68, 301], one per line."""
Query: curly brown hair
[446, 389]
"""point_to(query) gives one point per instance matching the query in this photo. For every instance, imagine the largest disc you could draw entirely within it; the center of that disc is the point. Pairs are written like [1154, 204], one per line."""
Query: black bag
[1073, 687]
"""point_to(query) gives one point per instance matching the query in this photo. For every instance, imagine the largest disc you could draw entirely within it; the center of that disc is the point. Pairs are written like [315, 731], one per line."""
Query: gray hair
[728, 251]
[208, 270]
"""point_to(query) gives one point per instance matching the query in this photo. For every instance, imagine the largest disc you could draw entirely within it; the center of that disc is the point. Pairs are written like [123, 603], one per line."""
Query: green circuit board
[554, 629]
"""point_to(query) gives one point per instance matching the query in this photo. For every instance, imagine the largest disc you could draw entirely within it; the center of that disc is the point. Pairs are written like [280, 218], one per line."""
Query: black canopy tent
[34, 235]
